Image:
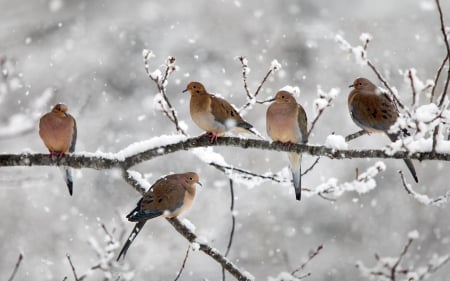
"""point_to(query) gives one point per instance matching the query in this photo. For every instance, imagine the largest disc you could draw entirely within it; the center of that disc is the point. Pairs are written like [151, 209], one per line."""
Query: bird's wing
[373, 111]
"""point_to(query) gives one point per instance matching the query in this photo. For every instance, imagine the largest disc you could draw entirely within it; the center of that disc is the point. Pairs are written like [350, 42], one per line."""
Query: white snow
[364, 37]
[295, 90]
[140, 179]
[336, 142]
[275, 65]
[188, 224]
[414, 234]
[141, 146]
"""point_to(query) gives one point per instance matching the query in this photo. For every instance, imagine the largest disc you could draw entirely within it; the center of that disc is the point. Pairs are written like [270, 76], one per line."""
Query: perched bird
[58, 130]
[374, 112]
[168, 197]
[215, 115]
[286, 122]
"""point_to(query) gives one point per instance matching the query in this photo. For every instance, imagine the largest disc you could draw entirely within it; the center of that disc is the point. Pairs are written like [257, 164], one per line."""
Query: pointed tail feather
[408, 162]
[295, 160]
[137, 228]
[410, 166]
[67, 174]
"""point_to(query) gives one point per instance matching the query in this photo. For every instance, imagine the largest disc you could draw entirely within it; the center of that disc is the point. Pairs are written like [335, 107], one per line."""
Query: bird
[215, 115]
[58, 131]
[375, 112]
[168, 197]
[286, 122]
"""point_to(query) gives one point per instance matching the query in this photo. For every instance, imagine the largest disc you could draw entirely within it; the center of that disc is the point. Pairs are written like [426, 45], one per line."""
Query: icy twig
[161, 83]
[324, 101]
[275, 66]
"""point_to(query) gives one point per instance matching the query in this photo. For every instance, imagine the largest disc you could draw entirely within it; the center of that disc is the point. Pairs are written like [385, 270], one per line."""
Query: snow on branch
[422, 198]
[101, 161]
[364, 183]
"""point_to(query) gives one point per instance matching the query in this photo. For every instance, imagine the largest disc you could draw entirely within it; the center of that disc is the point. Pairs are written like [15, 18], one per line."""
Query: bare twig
[432, 268]
[447, 45]
[311, 256]
[413, 89]
[73, 269]
[436, 79]
[311, 167]
[16, 267]
[183, 264]
[355, 135]
[212, 252]
[233, 225]
[402, 254]
[250, 175]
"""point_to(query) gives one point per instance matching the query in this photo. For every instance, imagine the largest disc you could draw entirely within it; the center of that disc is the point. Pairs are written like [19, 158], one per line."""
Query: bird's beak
[273, 99]
[351, 86]
[199, 183]
[185, 90]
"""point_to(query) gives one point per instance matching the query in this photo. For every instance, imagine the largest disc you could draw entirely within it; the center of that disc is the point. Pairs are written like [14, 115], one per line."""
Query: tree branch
[119, 161]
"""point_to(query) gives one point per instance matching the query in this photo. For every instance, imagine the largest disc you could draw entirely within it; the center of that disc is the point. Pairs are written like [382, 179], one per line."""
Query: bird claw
[212, 137]
[57, 154]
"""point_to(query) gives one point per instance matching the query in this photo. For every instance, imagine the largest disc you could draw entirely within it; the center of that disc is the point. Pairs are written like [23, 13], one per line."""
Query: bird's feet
[212, 137]
[57, 154]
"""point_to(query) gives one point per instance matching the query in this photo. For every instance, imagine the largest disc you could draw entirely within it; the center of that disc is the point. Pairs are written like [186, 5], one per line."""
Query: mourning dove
[58, 130]
[168, 197]
[215, 115]
[374, 112]
[286, 122]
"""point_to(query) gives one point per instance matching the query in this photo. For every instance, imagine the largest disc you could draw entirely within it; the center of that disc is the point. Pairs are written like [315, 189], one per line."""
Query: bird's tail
[137, 228]
[295, 160]
[67, 174]
[408, 162]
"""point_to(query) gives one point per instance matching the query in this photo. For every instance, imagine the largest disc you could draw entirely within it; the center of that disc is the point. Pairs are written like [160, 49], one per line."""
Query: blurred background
[88, 54]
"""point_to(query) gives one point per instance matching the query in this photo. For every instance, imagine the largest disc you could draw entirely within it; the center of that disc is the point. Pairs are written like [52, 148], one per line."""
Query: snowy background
[88, 54]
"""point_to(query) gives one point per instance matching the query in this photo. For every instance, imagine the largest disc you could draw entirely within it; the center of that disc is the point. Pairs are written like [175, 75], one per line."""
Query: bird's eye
[194, 86]
[282, 97]
[190, 178]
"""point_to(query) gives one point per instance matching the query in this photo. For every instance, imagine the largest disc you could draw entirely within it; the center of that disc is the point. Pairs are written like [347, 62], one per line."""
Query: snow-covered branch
[146, 152]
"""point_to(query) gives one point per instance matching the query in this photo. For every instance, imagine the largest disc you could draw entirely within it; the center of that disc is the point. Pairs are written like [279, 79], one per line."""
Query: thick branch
[101, 163]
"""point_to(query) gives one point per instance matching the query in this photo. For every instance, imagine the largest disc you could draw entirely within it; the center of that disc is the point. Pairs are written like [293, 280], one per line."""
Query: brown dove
[286, 122]
[58, 130]
[374, 112]
[215, 115]
[167, 197]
